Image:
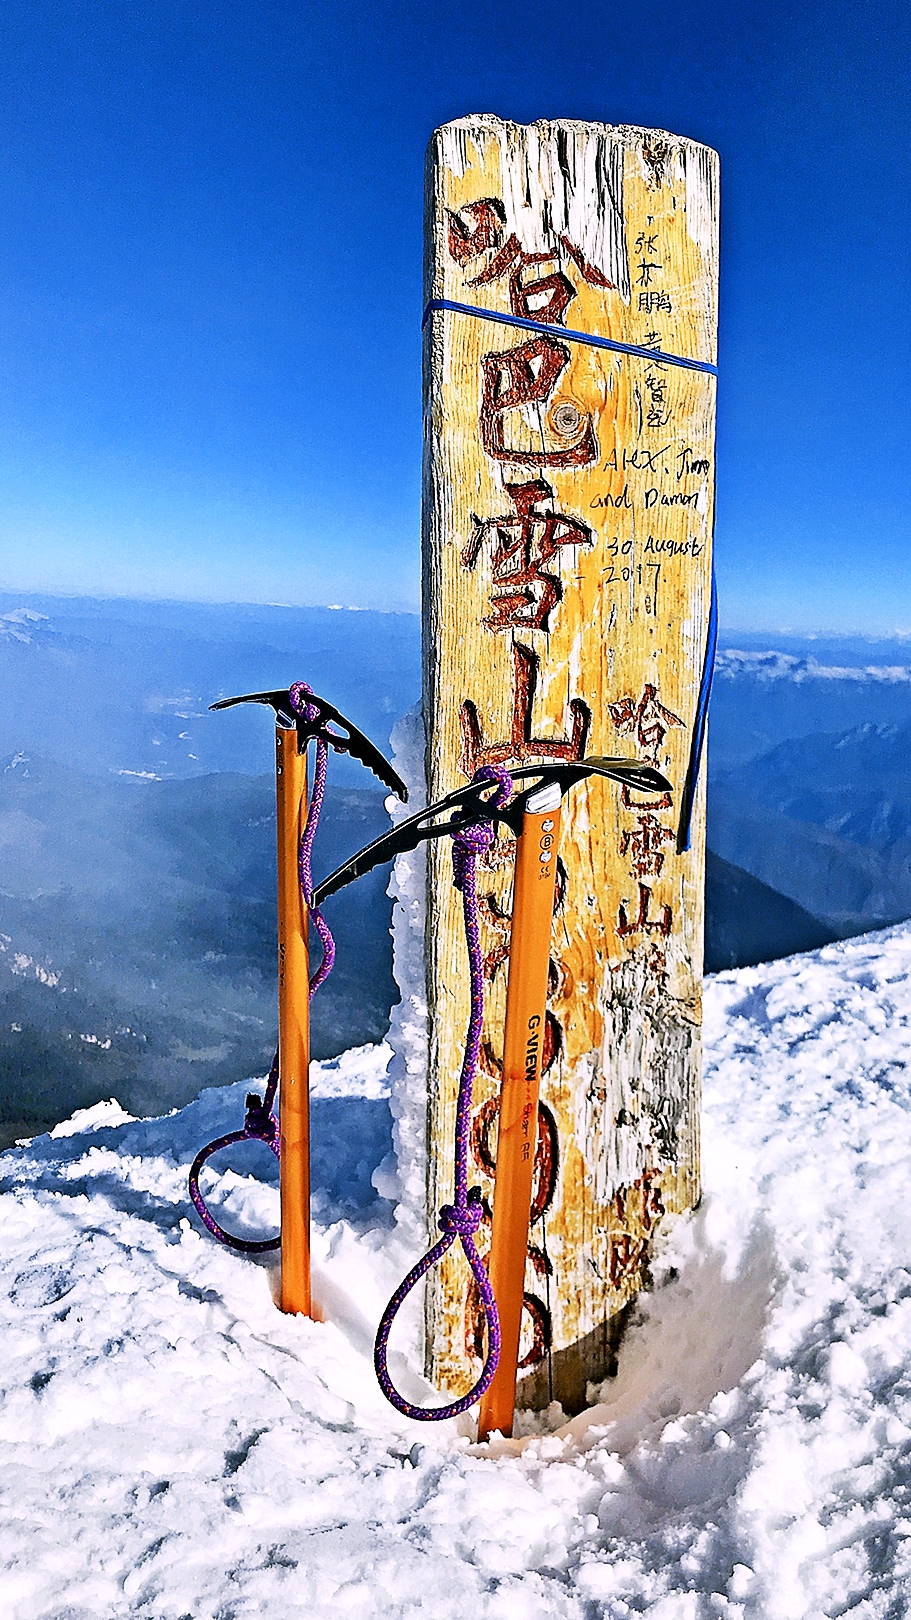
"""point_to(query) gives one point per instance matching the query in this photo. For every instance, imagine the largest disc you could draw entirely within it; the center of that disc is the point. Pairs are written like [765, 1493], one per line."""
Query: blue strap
[698, 740]
[566, 332]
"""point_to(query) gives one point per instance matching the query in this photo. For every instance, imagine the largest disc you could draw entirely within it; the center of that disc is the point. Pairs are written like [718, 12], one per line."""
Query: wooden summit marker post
[567, 585]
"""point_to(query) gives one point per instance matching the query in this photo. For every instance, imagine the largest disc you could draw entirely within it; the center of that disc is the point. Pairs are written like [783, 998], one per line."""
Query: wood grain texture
[568, 502]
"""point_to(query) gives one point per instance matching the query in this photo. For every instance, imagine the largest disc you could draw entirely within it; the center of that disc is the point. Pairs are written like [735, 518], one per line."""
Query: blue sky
[210, 280]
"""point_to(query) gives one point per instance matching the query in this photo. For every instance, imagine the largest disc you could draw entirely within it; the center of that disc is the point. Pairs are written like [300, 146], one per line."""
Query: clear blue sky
[210, 279]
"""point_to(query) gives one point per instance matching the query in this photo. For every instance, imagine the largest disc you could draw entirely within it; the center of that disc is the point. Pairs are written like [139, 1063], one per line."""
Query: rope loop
[477, 838]
[260, 1125]
[500, 775]
[260, 1122]
[467, 844]
[298, 693]
[464, 1215]
[434, 1414]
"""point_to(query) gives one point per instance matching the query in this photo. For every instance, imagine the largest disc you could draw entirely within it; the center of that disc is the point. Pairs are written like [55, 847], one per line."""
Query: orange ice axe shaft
[302, 717]
[526, 997]
[293, 1025]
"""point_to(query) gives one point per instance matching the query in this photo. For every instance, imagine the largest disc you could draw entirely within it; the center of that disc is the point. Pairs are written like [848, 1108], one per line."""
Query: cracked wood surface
[568, 502]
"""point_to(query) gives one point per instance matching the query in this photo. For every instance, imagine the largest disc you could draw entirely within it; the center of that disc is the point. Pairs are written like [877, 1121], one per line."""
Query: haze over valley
[137, 911]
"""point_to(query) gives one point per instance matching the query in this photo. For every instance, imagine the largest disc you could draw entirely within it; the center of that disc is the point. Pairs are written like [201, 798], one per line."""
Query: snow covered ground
[173, 1447]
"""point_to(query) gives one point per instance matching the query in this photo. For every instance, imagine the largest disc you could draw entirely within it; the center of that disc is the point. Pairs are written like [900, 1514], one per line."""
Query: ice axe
[301, 718]
[534, 816]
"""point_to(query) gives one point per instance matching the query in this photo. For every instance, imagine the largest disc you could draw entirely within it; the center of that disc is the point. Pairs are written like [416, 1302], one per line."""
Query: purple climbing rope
[260, 1121]
[298, 696]
[463, 1216]
[260, 1125]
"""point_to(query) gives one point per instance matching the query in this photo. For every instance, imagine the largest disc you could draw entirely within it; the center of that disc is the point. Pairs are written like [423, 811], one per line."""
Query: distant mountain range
[747, 922]
[826, 820]
[137, 912]
[137, 937]
[762, 697]
[126, 686]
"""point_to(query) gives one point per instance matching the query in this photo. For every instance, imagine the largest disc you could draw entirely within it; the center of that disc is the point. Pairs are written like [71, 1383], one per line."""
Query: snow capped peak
[774, 665]
[101, 1116]
[16, 623]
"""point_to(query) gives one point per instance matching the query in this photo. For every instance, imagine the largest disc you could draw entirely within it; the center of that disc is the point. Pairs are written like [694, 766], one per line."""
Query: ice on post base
[567, 582]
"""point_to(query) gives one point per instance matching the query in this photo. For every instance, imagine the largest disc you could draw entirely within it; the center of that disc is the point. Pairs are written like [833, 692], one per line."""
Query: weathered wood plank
[567, 564]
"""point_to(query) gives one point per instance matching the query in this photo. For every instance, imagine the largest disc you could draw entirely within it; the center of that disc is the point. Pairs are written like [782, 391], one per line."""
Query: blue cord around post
[568, 334]
[691, 781]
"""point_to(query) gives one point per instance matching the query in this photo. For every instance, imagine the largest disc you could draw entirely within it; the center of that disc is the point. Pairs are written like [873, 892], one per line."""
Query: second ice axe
[301, 718]
[534, 816]
[534, 891]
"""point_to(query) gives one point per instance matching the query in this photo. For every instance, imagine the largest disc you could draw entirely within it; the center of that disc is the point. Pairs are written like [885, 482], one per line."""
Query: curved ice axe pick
[308, 727]
[301, 717]
[534, 816]
[471, 804]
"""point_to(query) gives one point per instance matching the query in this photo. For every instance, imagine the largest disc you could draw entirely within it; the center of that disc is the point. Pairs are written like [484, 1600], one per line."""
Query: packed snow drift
[172, 1446]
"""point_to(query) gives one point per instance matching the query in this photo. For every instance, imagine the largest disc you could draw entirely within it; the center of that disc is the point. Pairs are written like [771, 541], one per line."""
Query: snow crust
[172, 1446]
[403, 1176]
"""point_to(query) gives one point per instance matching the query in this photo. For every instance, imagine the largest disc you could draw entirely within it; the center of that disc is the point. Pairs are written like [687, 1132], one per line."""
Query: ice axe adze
[534, 816]
[301, 717]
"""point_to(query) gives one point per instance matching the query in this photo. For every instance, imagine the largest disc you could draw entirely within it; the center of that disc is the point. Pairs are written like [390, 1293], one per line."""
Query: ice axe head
[298, 709]
[477, 802]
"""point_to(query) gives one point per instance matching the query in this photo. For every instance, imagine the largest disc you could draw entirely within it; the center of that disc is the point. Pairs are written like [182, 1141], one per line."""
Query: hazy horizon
[817, 632]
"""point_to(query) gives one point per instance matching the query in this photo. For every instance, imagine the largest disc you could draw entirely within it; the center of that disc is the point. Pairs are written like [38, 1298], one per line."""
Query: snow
[402, 1177]
[172, 1446]
[96, 1118]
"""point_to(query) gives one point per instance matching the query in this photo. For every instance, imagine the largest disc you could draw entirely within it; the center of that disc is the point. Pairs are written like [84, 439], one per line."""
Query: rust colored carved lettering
[648, 719]
[644, 844]
[547, 1164]
[509, 252]
[627, 1255]
[543, 1190]
[487, 217]
[552, 1042]
[652, 1202]
[546, 299]
[521, 745]
[499, 920]
[540, 1263]
[540, 1330]
[663, 801]
[551, 1049]
[642, 923]
[491, 909]
[590, 272]
[524, 594]
[547, 1153]
[484, 232]
[642, 1200]
[476, 1322]
[481, 1127]
[527, 376]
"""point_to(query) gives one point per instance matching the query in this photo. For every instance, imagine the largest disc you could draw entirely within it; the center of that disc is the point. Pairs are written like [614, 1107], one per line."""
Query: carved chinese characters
[524, 592]
[567, 545]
